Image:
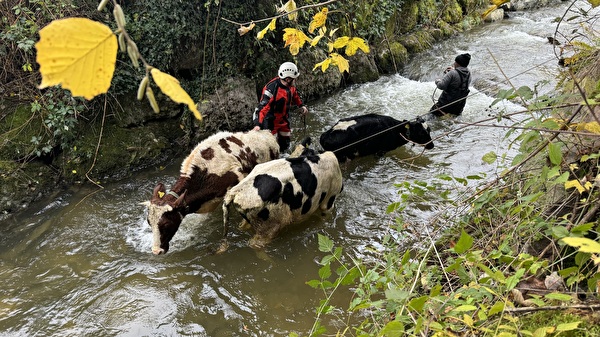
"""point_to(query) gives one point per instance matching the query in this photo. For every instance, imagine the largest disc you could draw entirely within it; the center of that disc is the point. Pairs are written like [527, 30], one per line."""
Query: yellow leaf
[169, 85]
[592, 127]
[79, 54]
[594, 3]
[318, 20]
[489, 10]
[318, 38]
[270, 26]
[243, 30]
[354, 44]
[329, 47]
[295, 39]
[289, 6]
[323, 64]
[576, 184]
[585, 245]
[341, 42]
[339, 61]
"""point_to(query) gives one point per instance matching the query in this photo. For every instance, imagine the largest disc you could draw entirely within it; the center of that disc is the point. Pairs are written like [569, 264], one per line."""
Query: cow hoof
[158, 251]
[222, 247]
[257, 243]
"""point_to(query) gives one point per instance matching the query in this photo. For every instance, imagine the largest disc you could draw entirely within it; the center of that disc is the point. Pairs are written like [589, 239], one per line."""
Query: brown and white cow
[215, 165]
[284, 191]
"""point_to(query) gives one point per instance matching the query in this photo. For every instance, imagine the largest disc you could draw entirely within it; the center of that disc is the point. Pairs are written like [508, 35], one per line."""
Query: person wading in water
[454, 86]
[273, 109]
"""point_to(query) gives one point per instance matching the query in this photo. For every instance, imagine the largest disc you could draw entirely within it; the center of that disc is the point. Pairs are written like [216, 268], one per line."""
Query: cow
[215, 165]
[373, 134]
[281, 192]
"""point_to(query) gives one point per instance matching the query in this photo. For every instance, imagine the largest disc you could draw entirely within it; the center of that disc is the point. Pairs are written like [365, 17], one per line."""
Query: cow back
[364, 135]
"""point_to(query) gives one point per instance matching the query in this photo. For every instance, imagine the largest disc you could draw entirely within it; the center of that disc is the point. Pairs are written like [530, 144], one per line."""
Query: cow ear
[157, 191]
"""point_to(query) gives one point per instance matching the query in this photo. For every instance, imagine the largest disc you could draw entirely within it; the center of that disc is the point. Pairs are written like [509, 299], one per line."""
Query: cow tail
[226, 202]
[224, 244]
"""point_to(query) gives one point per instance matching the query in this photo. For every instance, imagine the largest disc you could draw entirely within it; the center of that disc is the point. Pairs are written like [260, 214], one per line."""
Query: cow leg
[264, 235]
[245, 225]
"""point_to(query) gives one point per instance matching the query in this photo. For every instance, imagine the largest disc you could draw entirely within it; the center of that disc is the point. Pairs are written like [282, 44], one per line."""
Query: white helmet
[288, 69]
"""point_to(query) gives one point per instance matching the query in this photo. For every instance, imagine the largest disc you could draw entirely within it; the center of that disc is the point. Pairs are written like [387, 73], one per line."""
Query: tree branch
[280, 15]
[554, 307]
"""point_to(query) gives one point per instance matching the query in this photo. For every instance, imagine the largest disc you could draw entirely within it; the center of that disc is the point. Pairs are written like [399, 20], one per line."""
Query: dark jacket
[455, 86]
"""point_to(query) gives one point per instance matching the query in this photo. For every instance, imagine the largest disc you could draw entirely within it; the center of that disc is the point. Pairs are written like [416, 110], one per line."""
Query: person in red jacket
[276, 100]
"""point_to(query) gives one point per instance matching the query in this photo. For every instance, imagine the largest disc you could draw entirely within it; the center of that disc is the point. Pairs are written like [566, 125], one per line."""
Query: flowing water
[81, 264]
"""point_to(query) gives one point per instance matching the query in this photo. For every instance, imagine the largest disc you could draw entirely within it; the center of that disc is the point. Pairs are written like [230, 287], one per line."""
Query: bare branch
[280, 15]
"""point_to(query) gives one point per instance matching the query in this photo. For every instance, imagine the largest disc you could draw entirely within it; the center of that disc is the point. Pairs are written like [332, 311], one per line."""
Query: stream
[81, 264]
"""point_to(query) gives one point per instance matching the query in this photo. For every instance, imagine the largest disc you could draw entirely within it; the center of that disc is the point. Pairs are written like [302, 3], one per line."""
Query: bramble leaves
[79, 54]
[169, 85]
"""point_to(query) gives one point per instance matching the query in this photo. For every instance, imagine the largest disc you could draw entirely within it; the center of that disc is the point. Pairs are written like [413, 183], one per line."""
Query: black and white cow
[373, 134]
[215, 165]
[284, 191]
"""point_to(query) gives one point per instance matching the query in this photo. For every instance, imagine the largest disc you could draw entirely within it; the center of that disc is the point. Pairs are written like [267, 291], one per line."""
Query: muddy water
[80, 264]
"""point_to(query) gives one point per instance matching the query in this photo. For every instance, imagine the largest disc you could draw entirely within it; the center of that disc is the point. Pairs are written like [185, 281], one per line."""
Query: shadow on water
[81, 264]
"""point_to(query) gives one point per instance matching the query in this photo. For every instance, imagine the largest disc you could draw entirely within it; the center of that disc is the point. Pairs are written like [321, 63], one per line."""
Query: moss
[452, 12]
[22, 184]
[404, 19]
[122, 151]
[18, 129]
[418, 41]
[428, 11]
[391, 57]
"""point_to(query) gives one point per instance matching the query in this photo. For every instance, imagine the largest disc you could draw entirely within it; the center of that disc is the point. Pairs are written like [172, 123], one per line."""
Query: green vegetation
[518, 256]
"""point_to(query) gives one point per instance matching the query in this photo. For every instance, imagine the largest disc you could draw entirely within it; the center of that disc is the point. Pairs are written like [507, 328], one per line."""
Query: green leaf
[559, 297]
[397, 295]
[555, 153]
[567, 326]
[465, 242]
[392, 329]
[418, 303]
[489, 157]
[325, 243]
[585, 245]
[325, 272]
[496, 308]
[314, 283]
[465, 307]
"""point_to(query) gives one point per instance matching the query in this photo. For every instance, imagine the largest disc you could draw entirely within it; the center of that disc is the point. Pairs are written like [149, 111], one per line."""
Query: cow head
[419, 132]
[164, 217]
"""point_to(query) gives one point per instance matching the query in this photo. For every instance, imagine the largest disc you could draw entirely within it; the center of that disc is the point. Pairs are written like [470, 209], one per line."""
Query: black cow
[284, 191]
[373, 134]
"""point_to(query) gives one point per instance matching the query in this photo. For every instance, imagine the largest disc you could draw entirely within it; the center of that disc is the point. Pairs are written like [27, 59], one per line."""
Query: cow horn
[180, 200]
